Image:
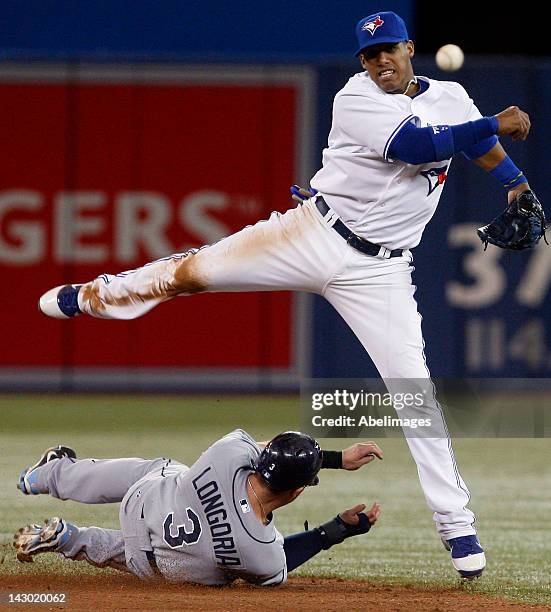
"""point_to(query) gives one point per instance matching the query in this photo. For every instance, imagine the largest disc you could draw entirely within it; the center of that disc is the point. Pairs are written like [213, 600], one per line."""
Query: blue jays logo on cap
[379, 28]
[372, 25]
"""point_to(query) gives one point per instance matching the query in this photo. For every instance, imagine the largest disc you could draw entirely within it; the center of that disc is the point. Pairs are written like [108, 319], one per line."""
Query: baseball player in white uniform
[388, 155]
[210, 523]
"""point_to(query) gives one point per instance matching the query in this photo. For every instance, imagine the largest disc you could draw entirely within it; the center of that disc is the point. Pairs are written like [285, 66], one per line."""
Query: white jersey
[385, 201]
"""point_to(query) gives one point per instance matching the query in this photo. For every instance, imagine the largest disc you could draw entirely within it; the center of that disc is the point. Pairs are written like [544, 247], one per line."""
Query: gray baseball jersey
[199, 520]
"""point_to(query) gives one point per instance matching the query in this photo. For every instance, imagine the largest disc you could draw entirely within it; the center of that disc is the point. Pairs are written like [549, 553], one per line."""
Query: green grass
[509, 480]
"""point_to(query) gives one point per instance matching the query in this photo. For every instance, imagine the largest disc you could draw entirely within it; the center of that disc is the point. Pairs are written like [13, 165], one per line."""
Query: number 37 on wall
[488, 279]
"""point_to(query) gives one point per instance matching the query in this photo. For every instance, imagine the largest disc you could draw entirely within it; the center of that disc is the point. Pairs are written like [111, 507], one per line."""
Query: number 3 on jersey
[184, 536]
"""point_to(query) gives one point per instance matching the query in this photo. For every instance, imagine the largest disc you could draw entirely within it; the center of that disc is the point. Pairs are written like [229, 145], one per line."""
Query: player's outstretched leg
[100, 547]
[124, 296]
[287, 252]
[90, 481]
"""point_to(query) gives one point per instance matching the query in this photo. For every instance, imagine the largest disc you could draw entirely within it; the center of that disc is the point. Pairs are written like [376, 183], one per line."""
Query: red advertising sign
[104, 172]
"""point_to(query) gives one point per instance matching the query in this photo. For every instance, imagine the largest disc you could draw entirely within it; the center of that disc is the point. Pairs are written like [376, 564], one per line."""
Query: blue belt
[353, 239]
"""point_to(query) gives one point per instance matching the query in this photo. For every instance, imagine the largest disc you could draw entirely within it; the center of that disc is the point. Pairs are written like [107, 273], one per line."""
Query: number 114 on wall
[490, 345]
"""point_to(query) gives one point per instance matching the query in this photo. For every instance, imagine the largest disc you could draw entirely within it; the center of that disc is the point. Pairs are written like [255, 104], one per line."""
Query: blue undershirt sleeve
[302, 546]
[415, 145]
[480, 148]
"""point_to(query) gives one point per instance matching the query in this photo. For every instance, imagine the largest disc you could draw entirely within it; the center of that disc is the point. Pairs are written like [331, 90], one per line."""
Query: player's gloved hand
[300, 193]
[347, 524]
[360, 454]
[519, 227]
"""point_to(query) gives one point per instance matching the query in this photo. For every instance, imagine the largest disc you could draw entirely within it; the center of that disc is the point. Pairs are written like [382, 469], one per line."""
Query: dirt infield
[304, 594]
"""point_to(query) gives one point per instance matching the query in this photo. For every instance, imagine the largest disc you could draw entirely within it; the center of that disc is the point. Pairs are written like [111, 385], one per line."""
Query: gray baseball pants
[98, 481]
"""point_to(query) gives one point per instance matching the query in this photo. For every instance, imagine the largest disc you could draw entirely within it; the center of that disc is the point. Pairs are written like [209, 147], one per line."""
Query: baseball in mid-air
[449, 58]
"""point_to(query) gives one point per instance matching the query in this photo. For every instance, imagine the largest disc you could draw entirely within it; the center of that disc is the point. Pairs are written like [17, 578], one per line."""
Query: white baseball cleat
[468, 556]
[60, 302]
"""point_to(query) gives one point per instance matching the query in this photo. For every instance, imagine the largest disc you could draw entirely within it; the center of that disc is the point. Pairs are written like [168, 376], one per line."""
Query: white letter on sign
[28, 236]
[133, 229]
[70, 226]
[195, 218]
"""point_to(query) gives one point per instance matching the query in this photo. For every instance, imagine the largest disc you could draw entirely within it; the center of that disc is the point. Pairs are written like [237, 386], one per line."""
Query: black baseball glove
[519, 227]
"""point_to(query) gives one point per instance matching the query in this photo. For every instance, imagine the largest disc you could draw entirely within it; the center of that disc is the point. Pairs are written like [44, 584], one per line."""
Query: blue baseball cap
[384, 27]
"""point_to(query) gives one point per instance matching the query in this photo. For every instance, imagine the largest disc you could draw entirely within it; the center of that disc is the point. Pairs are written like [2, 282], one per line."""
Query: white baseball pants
[300, 251]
